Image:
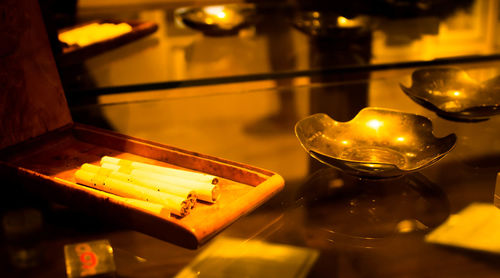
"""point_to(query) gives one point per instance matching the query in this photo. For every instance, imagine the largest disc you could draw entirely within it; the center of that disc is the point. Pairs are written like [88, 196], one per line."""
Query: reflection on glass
[328, 23]
[355, 212]
[93, 33]
[220, 15]
[218, 20]
[377, 142]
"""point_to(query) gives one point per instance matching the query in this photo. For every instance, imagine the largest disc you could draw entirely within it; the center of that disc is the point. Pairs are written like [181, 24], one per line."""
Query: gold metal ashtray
[220, 20]
[376, 143]
[454, 95]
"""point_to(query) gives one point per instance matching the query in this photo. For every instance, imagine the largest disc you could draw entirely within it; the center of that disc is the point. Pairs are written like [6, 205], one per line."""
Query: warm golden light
[342, 20]
[216, 11]
[400, 139]
[221, 14]
[345, 22]
[375, 124]
[344, 142]
[449, 93]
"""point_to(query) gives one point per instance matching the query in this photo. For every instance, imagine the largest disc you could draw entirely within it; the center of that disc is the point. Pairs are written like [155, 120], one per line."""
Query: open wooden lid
[32, 100]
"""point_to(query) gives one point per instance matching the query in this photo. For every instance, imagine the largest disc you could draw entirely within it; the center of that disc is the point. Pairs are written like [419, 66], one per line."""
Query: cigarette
[154, 208]
[111, 171]
[176, 204]
[151, 208]
[207, 192]
[200, 177]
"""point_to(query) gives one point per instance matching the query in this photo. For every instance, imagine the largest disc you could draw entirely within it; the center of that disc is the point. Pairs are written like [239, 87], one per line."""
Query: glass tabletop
[325, 222]
[280, 40]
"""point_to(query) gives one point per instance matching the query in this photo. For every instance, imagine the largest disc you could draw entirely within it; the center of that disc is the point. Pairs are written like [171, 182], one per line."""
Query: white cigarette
[207, 192]
[112, 171]
[201, 177]
[176, 204]
[151, 208]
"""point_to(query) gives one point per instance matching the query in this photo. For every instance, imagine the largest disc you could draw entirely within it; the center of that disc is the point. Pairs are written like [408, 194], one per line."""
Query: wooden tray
[41, 148]
[73, 54]
[46, 166]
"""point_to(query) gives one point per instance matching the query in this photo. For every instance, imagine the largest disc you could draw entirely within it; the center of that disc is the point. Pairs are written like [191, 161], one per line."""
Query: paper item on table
[185, 174]
[205, 191]
[476, 227]
[231, 257]
[176, 204]
[110, 171]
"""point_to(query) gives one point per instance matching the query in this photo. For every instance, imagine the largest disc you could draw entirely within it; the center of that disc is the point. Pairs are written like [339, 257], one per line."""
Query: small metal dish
[220, 20]
[329, 24]
[376, 143]
[454, 95]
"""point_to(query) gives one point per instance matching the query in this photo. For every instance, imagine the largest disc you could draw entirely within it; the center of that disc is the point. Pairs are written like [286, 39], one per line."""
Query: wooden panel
[47, 166]
[32, 100]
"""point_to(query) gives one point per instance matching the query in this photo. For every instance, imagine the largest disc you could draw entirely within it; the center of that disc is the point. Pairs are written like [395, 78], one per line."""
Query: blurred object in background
[222, 20]
[497, 191]
[387, 8]
[92, 38]
[23, 235]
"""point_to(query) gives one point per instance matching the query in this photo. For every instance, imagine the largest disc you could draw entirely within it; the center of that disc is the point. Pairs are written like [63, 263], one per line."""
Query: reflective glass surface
[325, 223]
[285, 38]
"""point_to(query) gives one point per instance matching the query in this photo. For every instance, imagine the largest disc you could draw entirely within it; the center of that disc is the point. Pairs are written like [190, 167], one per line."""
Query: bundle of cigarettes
[93, 33]
[175, 189]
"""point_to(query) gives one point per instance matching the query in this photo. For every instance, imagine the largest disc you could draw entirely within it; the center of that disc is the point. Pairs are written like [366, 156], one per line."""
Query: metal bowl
[329, 24]
[376, 143]
[221, 20]
[454, 95]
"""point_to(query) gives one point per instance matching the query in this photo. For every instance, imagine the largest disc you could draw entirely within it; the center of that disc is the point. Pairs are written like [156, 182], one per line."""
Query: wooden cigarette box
[42, 148]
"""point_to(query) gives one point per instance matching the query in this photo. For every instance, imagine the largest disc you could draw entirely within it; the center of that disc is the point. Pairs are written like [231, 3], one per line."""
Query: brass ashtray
[376, 143]
[220, 20]
[328, 24]
[454, 95]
